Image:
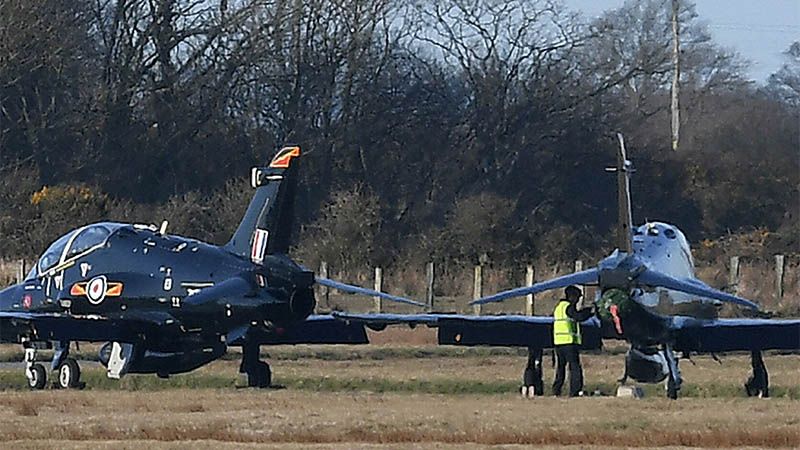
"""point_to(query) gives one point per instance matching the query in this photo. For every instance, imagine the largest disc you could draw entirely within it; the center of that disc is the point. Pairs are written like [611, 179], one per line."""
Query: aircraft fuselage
[135, 269]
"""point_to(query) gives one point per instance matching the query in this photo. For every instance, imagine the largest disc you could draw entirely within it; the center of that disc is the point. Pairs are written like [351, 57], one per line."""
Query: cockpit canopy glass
[53, 253]
[87, 238]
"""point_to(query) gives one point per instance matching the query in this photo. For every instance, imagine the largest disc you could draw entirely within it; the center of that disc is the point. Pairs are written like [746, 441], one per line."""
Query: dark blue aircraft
[167, 304]
[640, 287]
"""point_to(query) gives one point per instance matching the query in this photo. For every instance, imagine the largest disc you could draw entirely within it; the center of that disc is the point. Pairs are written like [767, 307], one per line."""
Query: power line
[760, 28]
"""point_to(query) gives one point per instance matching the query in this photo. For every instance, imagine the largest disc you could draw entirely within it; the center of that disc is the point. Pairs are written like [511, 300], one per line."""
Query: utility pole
[676, 75]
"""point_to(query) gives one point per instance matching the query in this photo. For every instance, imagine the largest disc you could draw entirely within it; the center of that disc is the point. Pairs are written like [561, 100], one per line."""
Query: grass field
[402, 396]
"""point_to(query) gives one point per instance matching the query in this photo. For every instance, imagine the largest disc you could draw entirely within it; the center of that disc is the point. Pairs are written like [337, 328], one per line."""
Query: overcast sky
[759, 30]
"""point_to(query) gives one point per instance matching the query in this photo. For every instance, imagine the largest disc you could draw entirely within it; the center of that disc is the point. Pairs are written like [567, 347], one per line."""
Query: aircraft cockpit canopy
[76, 243]
[53, 253]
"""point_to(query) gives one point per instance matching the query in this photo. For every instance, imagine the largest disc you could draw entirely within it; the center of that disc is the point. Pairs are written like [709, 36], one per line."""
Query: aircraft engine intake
[166, 363]
[646, 365]
[299, 306]
[302, 303]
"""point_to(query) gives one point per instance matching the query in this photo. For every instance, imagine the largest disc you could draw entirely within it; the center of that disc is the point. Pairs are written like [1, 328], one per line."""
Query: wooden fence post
[21, 271]
[530, 276]
[578, 268]
[429, 287]
[378, 287]
[477, 289]
[733, 275]
[325, 291]
[780, 267]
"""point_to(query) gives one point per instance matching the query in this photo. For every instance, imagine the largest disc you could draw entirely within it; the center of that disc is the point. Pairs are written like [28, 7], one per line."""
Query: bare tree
[785, 83]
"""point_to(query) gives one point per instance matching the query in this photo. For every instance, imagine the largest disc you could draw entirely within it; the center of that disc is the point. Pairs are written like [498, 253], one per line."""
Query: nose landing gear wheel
[37, 376]
[69, 375]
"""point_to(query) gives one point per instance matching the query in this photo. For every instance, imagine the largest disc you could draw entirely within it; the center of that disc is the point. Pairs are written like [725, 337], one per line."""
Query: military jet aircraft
[167, 304]
[650, 273]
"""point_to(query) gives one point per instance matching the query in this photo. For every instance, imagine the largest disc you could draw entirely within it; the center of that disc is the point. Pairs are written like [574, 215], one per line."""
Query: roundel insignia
[96, 290]
[27, 301]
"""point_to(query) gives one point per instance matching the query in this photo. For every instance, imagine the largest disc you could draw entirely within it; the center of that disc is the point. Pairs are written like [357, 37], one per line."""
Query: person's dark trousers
[568, 354]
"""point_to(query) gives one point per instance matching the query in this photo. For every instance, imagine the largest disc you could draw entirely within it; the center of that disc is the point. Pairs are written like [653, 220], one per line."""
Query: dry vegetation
[349, 397]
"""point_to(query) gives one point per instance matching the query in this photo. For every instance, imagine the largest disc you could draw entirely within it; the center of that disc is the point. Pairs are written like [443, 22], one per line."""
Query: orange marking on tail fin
[284, 157]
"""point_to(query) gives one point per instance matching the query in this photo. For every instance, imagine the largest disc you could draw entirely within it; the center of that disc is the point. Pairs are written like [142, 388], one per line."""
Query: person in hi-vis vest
[567, 340]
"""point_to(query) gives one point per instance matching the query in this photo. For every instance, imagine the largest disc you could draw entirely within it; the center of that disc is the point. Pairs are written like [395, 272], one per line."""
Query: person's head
[573, 293]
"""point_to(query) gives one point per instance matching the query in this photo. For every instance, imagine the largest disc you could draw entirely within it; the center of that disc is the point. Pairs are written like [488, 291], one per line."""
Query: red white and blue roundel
[96, 290]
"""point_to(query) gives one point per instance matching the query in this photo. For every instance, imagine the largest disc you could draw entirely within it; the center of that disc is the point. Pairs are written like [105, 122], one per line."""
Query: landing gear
[260, 376]
[67, 369]
[34, 372]
[258, 372]
[674, 379]
[69, 375]
[37, 376]
[758, 383]
[532, 384]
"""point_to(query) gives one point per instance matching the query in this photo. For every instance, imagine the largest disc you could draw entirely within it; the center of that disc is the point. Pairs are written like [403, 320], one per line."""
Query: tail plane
[267, 224]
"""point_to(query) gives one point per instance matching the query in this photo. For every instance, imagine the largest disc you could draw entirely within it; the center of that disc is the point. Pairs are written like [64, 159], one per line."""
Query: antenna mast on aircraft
[676, 75]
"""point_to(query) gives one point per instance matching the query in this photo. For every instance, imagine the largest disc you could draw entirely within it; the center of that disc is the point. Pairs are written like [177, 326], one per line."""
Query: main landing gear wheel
[37, 376]
[674, 379]
[69, 375]
[260, 375]
[258, 372]
[532, 384]
[757, 384]
[672, 389]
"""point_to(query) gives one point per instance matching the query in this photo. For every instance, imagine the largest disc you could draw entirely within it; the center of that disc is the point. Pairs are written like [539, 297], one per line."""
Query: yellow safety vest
[565, 330]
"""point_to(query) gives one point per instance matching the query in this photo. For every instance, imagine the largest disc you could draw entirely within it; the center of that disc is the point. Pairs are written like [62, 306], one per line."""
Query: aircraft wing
[502, 330]
[726, 335]
[352, 289]
[588, 276]
[91, 328]
[694, 287]
[316, 329]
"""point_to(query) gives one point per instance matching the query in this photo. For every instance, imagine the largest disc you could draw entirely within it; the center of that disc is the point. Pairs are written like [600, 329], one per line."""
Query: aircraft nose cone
[9, 296]
[619, 271]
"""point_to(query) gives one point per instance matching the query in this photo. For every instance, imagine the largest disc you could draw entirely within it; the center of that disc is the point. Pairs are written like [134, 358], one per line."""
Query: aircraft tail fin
[624, 170]
[266, 226]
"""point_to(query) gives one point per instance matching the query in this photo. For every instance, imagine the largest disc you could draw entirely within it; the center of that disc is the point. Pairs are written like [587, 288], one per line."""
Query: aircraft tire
[672, 390]
[69, 374]
[267, 376]
[260, 376]
[38, 378]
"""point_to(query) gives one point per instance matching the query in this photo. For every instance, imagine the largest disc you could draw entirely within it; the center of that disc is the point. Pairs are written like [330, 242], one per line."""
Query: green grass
[324, 353]
[331, 352]
[344, 353]
[96, 379]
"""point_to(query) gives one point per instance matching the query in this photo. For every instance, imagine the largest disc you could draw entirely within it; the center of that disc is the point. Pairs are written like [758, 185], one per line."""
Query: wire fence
[775, 285]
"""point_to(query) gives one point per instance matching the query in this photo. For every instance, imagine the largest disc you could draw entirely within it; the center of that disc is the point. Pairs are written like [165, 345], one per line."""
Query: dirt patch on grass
[421, 335]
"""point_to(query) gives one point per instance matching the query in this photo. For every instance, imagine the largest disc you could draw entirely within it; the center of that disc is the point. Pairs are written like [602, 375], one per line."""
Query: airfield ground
[401, 395]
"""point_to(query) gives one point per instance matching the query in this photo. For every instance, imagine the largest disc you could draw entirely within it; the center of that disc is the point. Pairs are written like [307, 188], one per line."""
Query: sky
[759, 30]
